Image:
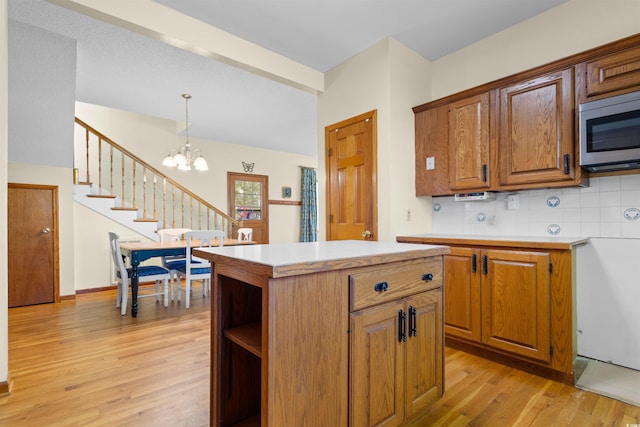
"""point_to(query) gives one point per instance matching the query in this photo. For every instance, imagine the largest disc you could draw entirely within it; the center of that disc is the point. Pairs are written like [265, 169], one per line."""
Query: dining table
[141, 251]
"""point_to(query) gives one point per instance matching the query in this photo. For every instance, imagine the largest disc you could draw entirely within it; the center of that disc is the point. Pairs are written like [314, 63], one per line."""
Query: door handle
[46, 230]
[367, 234]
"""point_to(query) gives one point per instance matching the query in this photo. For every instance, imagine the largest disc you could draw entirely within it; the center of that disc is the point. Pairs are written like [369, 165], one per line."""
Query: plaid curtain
[309, 214]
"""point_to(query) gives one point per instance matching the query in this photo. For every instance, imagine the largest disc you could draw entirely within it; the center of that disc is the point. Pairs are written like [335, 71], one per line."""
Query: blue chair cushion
[147, 270]
[194, 270]
[181, 265]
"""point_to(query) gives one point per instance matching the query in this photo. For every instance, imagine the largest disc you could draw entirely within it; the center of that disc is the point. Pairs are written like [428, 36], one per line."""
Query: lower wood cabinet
[511, 301]
[396, 359]
[325, 341]
[396, 342]
[500, 298]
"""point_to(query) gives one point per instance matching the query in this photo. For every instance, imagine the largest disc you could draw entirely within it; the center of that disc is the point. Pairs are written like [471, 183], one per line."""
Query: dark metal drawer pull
[381, 287]
[427, 276]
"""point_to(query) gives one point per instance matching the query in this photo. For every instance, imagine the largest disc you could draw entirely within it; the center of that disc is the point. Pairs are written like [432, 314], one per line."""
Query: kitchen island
[512, 299]
[328, 333]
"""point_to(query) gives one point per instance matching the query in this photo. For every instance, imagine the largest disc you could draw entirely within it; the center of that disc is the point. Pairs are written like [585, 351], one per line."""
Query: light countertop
[539, 242]
[295, 258]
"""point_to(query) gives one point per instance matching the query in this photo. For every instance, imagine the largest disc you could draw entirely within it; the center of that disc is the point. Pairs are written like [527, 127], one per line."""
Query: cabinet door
[432, 142]
[516, 288]
[469, 143]
[424, 351]
[377, 367]
[614, 72]
[536, 130]
[462, 293]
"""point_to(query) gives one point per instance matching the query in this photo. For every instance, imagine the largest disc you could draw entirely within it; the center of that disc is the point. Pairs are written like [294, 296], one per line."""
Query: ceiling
[123, 69]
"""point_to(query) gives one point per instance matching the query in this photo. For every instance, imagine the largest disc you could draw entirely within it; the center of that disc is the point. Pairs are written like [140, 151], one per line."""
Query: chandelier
[186, 158]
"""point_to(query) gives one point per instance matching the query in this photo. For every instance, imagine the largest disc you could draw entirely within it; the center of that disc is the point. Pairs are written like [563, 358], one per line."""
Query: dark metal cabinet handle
[567, 166]
[485, 265]
[381, 287]
[413, 324]
[402, 326]
[474, 263]
[484, 173]
[427, 277]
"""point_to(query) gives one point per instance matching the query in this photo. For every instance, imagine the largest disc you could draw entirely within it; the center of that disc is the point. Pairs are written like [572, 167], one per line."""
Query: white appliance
[608, 301]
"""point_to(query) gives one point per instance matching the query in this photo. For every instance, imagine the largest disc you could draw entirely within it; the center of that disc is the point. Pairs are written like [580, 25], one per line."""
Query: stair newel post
[164, 203]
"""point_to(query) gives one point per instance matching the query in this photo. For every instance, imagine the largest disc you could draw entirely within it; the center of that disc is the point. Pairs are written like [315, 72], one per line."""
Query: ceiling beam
[171, 27]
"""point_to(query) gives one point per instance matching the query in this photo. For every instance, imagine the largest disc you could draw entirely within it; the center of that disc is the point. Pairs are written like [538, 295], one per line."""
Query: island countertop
[538, 242]
[287, 259]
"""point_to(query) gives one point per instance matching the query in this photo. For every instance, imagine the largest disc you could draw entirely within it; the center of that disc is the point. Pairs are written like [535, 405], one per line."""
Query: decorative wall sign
[248, 167]
[286, 192]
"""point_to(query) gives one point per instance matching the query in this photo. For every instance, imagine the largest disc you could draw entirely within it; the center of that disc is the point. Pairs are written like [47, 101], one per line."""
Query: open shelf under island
[340, 333]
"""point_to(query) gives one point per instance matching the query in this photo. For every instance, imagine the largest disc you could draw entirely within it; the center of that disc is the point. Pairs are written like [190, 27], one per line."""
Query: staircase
[115, 183]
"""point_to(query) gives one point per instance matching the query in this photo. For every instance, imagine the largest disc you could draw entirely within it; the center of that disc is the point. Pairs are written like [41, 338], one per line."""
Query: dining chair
[146, 273]
[172, 235]
[245, 234]
[194, 268]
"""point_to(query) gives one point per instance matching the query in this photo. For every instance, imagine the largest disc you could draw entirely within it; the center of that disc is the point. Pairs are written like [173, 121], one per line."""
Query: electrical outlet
[513, 202]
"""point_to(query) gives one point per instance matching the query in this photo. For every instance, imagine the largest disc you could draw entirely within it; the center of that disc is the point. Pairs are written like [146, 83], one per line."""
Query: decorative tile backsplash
[609, 207]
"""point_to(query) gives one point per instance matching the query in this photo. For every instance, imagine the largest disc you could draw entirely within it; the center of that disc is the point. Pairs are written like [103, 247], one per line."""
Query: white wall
[570, 28]
[4, 313]
[42, 82]
[391, 79]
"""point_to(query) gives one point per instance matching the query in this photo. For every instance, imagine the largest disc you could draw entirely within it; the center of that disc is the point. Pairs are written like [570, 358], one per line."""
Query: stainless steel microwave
[610, 133]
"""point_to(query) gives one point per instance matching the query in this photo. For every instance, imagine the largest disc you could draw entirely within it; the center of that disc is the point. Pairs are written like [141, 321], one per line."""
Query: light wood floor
[82, 364]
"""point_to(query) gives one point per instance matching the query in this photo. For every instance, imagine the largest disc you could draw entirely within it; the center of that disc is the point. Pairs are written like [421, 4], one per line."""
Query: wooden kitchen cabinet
[462, 301]
[511, 300]
[284, 347]
[469, 149]
[432, 142]
[618, 72]
[500, 298]
[396, 361]
[536, 131]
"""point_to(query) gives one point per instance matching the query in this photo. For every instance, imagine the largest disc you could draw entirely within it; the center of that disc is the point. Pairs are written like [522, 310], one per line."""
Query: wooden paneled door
[351, 161]
[248, 200]
[33, 270]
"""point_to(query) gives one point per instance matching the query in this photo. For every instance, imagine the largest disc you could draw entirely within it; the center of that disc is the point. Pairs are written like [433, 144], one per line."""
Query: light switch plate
[431, 163]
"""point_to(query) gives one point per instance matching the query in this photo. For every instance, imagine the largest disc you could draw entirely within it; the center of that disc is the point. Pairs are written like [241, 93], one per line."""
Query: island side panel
[308, 341]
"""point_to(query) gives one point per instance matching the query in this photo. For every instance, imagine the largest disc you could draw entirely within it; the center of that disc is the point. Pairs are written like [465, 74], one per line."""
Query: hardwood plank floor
[82, 364]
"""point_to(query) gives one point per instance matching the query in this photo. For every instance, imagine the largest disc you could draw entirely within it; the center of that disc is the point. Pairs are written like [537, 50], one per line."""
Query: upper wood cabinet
[469, 143]
[615, 72]
[536, 128]
[432, 142]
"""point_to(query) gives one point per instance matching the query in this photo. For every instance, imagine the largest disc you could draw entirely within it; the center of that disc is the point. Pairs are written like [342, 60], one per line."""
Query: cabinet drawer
[614, 72]
[388, 282]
